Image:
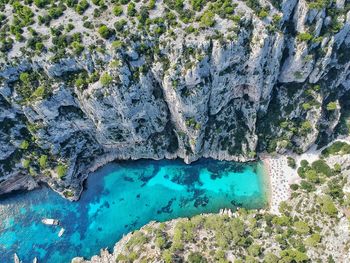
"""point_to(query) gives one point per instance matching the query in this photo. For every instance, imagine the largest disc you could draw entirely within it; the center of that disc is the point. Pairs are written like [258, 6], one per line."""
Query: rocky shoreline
[276, 83]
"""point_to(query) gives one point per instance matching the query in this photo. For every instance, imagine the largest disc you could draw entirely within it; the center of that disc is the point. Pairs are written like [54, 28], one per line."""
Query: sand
[282, 176]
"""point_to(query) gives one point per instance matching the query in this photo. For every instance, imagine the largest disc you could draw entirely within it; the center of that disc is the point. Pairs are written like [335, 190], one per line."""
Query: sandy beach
[282, 176]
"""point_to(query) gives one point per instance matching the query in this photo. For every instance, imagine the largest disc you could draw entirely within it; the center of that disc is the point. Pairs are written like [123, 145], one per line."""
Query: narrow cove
[121, 197]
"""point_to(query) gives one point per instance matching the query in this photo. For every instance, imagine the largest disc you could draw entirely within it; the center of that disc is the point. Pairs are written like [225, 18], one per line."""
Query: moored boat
[61, 232]
[49, 221]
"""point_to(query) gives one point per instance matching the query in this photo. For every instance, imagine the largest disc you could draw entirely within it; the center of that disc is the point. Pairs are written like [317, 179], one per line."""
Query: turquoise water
[122, 197]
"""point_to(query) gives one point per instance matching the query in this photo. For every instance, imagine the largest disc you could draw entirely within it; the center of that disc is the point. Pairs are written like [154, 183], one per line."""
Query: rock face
[229, 92]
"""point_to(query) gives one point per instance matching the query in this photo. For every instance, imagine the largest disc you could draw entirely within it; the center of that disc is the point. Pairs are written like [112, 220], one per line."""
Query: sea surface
[119, 198]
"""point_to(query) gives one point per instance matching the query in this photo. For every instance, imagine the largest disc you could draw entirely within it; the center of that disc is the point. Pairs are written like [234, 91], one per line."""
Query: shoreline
[280, 176]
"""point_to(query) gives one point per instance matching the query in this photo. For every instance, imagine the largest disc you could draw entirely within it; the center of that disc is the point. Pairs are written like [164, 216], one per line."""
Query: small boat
[35, 260]
[61, 232]
[50, 222]
[16, 258]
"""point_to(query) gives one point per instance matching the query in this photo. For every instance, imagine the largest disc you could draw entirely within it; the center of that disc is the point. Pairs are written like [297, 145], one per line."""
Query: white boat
[50, 222]
[16, 258]
[35, 260]
[61, 232]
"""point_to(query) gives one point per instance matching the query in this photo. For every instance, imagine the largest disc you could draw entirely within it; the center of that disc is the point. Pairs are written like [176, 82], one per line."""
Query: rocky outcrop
[229, 92]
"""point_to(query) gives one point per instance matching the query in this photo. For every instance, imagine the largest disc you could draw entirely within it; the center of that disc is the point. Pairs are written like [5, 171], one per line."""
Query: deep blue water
[122, 197]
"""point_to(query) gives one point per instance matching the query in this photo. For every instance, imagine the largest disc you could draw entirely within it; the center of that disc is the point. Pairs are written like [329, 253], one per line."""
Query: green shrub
[61, 170]
[294, 187]
[77, 48]
[119, 25]
[196, 257]
[98, 2]
[301, 227]
[312, 176]
[332, 106]
[106, 79]
[105, 32]
[39, 93]
[304, 36]
[305, 127]
[131, 10]
[117, 10]
[254, 250]
[270, 258]
[43, 161]
[82, 6]
[25, 163]
[24, 145]
[327, 206]
[306, 106]
[313, 240]
[293, 255]
[291, 162]
[337, 148]
[41, 3]
[207, 19]
[263, 14]
[320, 166]
[197, 5]
[307, 186]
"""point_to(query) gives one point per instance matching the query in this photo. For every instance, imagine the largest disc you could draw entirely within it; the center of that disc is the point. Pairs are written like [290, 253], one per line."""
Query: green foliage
[25, 163]
[24, 145]
[117, 10]
[317, 4]
[77, 48]
[304, 163]
[196, 257]
[281, 220]
[335, 189]
[254, 250]
[152, 4]
[291, 255]
[276, 18]
[291, 162]
[311, 176]
[119, 25]
[207, 19]
[301, 227]
[327, 206]
[309, 187]
[137, 239]
[106, 79]
[105, 32]
[313, 240]
[304, 37]
[305, 127]
[270, 258]
[332, 106]
[197, 5]
[306, 106]
[98, 2]
[167, 256]
[263, 14]
[43, 161]
[82, 6]
[41, 3]
[320, 166]
[337, 148]
[61, 170]
[131, 11]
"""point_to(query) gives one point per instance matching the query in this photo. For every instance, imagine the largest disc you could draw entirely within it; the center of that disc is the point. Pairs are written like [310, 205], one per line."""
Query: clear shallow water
[120, 198]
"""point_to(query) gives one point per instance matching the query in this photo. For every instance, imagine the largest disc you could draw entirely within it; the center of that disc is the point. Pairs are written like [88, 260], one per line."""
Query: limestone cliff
[269, 76]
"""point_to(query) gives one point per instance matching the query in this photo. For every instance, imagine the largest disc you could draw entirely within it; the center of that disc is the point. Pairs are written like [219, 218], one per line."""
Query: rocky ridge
[228, 89]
